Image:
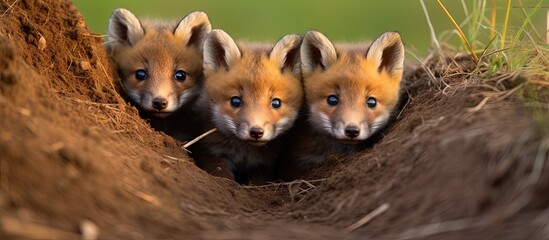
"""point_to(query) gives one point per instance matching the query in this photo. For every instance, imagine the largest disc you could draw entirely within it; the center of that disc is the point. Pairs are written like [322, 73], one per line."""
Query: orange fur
[160, 52]
[256, 74]
[353, 78]
[258, 80]
[161, 49]
[353, 74]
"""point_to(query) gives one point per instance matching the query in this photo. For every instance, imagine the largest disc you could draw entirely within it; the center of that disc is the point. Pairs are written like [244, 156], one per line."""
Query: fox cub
[160, 64]
[351, 91]
[253, 94]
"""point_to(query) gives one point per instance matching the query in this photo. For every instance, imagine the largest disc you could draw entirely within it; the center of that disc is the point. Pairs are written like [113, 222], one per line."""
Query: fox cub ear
[220, 51]
[285, 53]
[387, 52]
[193, 29]
[124, 27]
[316, 51]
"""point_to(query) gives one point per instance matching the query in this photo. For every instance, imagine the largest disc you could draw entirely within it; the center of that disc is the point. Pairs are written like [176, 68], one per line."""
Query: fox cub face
[255, 92]
[160, 63]
[351, 91]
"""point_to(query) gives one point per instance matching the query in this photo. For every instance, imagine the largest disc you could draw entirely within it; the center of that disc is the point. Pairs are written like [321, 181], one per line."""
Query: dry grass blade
[539, 82]
[511, 92]
[203, 211]
[174, 158]
[431, 28]
[297, 189]
[9, 8]
[198, 138]
[440, 227]
[308, 182]
[366, 219]
[479, 105]
[462, 35]
[505, 24]
[425, 67]
[143, 196]
[493, 20]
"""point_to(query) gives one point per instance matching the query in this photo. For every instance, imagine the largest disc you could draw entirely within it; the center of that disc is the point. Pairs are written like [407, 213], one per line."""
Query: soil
[77, 161]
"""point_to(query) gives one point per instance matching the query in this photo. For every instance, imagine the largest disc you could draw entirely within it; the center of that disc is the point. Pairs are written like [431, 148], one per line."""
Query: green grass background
[344, 20]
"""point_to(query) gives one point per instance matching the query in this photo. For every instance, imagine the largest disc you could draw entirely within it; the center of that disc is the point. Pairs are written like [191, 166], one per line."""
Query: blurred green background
[344, 20]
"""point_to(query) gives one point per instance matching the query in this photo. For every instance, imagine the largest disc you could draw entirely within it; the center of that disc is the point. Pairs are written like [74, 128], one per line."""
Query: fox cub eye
[371, 102]
[180, 75]
[276, 103]
[141, 74]
[236, 102]
[332, 100]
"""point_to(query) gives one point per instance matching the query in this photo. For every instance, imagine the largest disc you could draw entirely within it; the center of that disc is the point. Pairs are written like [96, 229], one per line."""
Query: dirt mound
[74, 155]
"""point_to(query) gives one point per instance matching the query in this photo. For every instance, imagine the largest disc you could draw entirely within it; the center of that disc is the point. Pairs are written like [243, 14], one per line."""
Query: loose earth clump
[466, 158]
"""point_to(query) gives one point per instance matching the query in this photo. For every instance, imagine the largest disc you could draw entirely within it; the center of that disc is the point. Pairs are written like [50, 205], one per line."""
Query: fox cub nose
[160, 103]
[352, 131]
[256, 133]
